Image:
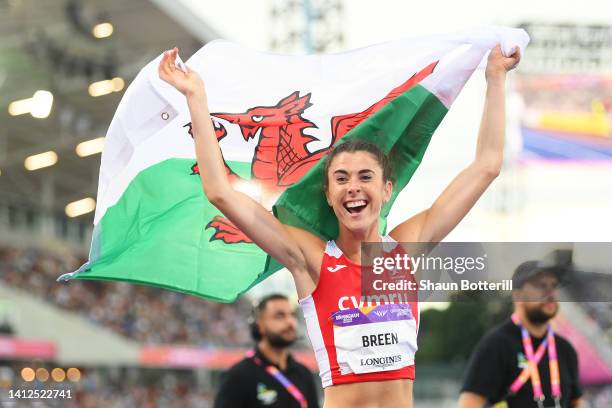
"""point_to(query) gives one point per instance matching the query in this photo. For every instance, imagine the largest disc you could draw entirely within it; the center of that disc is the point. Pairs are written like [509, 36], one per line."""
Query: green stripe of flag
[155, 234]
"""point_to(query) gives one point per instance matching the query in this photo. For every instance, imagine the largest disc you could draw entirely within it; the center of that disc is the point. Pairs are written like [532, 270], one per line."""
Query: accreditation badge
[375, 338]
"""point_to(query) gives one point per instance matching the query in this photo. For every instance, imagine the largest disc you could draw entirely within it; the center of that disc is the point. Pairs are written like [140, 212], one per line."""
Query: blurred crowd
[566, 93]
[145, 314]
[601, 312]
[593, 291]
[155, 388]
[127, 388]
[600, 397]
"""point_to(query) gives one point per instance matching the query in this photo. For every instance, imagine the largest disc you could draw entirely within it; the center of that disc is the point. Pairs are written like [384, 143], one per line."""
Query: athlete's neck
[277, 356]
[536, 330]
[350, 241]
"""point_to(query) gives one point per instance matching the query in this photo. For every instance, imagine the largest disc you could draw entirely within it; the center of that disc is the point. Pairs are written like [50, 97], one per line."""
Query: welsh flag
[275, 118]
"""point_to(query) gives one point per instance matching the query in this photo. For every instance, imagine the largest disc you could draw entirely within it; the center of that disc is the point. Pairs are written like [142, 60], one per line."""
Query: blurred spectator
[500, 367]
[269, 376]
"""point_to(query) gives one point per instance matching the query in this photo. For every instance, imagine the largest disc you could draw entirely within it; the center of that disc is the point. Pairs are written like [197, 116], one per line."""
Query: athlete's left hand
[498, 64]
[187, 82]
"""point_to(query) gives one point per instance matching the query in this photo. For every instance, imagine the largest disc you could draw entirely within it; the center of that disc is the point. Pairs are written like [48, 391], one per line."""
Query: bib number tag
[377, 338]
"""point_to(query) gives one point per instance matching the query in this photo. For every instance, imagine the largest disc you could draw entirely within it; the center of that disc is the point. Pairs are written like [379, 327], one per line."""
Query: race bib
[376, 338]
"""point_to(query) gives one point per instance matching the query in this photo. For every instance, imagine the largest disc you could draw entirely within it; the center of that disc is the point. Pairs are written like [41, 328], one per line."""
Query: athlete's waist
[370, 394]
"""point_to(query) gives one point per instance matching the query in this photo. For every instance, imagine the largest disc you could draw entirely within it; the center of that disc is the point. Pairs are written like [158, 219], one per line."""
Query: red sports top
[355, 339]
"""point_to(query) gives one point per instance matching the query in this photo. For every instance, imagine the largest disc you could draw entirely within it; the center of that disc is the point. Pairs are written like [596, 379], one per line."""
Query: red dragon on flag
[281, 157]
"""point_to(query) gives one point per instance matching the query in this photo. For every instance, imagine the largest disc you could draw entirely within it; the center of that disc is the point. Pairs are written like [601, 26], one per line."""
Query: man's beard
[278, 341]
[538, 316]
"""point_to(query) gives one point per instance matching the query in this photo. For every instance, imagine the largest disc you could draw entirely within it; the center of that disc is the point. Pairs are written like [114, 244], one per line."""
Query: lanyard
[532, 367]
[281, 378]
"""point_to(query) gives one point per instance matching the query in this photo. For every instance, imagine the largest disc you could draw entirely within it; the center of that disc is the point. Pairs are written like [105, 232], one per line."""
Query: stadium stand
[147, 315]
[116, 387]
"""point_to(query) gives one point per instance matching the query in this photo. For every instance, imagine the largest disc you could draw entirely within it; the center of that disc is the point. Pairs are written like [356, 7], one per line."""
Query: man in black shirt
[269, 376]
[502, 355]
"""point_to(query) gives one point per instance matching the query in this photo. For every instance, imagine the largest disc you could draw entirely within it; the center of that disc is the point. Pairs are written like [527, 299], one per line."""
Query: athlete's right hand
[188, 83]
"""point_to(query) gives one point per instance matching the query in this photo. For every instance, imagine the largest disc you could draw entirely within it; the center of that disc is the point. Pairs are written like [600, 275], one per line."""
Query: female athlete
[362, 362]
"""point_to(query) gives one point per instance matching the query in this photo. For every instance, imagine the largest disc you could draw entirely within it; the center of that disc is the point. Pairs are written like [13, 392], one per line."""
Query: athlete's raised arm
[433, 224]
[247, 214]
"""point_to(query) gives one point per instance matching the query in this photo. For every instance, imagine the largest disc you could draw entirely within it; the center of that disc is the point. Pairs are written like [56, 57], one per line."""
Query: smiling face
[356, 190]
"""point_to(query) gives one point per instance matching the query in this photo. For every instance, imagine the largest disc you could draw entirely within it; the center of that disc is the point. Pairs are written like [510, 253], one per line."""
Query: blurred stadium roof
[49, 45]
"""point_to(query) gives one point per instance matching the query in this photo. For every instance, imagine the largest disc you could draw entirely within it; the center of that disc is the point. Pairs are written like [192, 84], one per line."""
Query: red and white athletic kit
[358, 339]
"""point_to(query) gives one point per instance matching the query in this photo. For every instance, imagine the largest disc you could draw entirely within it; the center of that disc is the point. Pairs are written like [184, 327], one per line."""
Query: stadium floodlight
[20, 107]
[28, 374]
[90, 147]
[73, 374]
[106, 86]
[118, 84]
[100, 88]
[42, 374]
[102, 30]
[80, 207]
[41, 160]
[39, 106]
[58, 374]
[42, 102]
